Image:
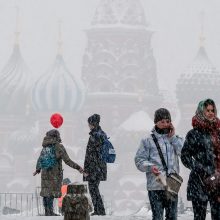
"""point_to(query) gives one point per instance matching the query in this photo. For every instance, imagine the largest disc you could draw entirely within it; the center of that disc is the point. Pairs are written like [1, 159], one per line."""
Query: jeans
[96, 197]
[199, 209]
[159, 202]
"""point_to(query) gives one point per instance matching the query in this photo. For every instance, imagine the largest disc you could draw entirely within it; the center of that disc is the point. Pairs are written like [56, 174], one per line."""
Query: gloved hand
[36, 172]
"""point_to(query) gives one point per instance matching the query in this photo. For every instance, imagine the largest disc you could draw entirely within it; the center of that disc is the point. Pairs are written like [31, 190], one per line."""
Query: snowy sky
[175, 42]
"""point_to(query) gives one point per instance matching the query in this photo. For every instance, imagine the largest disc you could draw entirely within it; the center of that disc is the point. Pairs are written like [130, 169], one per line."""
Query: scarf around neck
[212, 127]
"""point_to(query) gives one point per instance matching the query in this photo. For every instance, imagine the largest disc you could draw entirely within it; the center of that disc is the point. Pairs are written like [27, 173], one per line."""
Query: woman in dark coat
[201, 154]
[51, 179]
[94, 166]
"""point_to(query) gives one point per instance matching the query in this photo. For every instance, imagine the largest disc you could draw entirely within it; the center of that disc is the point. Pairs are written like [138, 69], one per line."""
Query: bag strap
[160, 153]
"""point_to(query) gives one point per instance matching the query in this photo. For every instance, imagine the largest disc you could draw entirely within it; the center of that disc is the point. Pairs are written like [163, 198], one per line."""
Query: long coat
[72, 203]
[51, 179]
[197, 155]
[93, 164]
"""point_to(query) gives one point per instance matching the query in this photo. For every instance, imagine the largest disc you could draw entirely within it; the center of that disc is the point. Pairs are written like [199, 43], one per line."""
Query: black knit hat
[94, 119]
[161, 114]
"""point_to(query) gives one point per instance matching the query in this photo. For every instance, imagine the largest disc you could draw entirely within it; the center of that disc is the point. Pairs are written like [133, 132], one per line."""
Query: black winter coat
[197, 155]
[93, 164]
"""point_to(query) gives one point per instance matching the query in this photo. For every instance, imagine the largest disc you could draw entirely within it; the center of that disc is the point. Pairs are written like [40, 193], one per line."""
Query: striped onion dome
[15, 84]
[201, 79]
[58, 90]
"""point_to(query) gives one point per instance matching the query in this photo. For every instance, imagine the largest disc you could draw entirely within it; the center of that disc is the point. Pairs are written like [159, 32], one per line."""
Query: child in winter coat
[76, 205]
[65, 184]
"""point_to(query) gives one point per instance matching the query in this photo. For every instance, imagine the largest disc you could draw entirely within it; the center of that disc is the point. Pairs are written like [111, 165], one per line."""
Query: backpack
[48, 158]
[107, 151]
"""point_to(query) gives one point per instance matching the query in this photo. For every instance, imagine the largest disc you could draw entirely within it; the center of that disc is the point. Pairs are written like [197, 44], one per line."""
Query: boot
[52, 213]
[47, 211]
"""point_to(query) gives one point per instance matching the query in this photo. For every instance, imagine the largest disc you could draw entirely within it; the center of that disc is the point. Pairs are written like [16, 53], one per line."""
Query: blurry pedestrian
[65, 183]
[76, 205]
[94, 166]
[50, 165]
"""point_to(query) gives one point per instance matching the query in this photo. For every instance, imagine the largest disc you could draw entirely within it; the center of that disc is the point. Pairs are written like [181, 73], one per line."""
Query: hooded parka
[51, 179]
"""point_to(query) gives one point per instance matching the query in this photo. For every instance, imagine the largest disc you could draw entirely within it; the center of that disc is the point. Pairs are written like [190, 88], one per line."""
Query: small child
[76, 205]
[65, 183]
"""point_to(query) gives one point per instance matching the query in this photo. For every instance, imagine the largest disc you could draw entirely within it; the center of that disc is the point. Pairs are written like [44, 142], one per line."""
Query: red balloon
[56, 120]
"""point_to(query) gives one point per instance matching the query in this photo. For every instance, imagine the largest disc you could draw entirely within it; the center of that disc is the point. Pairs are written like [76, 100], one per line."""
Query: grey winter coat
[148, 156]
[51, 179]
[93, 164]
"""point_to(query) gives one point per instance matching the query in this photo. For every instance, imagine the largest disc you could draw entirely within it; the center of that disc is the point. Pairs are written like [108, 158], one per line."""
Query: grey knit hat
[161, 114]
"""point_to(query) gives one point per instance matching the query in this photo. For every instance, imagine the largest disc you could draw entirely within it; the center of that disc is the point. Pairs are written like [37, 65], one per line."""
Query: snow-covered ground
[142, 214]
[184, 217]
[146, 217]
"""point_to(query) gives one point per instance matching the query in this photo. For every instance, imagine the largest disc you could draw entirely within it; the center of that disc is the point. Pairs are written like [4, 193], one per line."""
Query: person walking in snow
[94, 166]
[201, 154]
[49, 164]
[147, 160]
[76, 205]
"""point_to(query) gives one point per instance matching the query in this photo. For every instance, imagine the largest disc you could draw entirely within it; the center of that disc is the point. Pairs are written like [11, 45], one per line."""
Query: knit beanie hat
[161, 114]
[94, 119]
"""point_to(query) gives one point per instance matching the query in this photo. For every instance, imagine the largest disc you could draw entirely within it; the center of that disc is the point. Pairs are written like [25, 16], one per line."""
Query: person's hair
[76, 189]
[94, 120]
[209, 102]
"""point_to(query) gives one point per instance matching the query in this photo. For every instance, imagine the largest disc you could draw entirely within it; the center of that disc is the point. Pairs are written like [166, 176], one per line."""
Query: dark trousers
[48, 205]
[159, 202]
[199, 209]
[96, 197]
